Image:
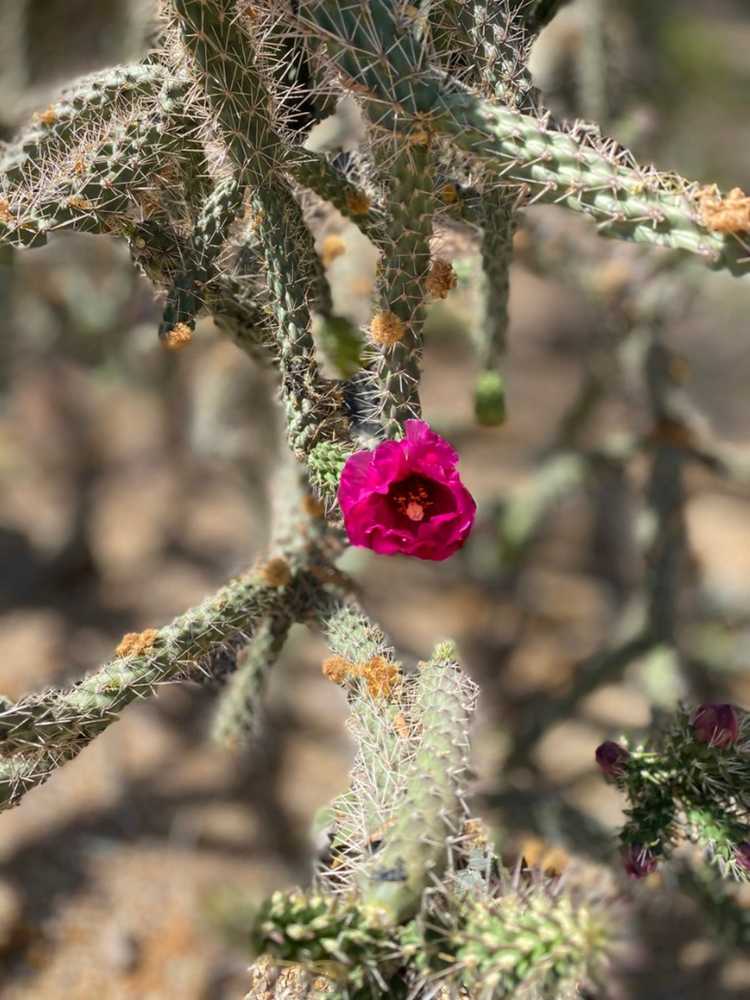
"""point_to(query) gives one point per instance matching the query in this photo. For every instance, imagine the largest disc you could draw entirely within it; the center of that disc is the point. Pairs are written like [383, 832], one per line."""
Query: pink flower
[638, 861]
[612, 759]
[716, 725]
[406, 497]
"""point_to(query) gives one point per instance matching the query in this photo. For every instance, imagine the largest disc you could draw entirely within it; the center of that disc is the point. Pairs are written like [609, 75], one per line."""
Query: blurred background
[133, 482]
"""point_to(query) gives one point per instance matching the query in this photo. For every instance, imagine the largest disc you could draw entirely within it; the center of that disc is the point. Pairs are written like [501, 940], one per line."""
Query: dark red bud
[612, 758]
[638, 861]
[716, 725]
[742, 855]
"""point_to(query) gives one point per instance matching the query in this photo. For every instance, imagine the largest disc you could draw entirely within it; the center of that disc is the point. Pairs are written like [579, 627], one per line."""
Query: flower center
[411, 497]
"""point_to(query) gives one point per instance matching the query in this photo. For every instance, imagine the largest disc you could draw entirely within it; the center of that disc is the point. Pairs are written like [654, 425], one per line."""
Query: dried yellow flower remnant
[401, 726]
[48, 117]
[441, 279]
[725, 215]
[338, 669]
[5, 213]
[312, 506]
[476, 832]
[538, 854]
[357, 202]
[381, 676]
[448, 194]
[178, 337]
[387, 328]
[333, 247]
[135, 643]
[276, 572]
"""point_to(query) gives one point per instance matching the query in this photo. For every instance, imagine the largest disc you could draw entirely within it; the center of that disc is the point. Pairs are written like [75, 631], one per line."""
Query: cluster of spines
[686, 784]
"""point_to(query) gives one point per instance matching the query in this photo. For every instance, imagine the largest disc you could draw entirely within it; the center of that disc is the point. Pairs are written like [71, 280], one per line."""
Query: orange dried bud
[276, 572]
[178, 337]
[401, 726]
[135, 643]
[725, 215]
[48, 117]
[381, 676]
[338, 669]
[448, 194]
[387, 328]
[476, 831]
[441, 279]
[333, 247]
[312, 506]
[357, 202]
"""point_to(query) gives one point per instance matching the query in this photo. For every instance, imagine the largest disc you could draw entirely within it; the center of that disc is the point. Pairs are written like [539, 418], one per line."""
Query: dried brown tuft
[135, 643]
[178, 337]
[448, 194]
[387, 329]
[312, 506]
[476, 832]
[381, 676]
[357, 202]
[401, 726]
[276, 572]
[725, 215]
[441, 279]
[48, 117]
[333, 247]
[338, 669]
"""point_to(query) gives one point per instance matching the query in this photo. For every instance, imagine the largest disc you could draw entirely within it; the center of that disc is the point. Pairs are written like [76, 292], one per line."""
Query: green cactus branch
[602, 181]
[403, 268]
[432, 811]
[43, 731]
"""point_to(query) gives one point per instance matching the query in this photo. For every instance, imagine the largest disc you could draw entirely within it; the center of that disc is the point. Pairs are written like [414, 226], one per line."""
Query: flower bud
[612, 759]
[638, 861]
[716, 725]
[742, 855]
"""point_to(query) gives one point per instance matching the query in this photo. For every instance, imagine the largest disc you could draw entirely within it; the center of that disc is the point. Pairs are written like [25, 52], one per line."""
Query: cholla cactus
[687, 782]
[196, 156]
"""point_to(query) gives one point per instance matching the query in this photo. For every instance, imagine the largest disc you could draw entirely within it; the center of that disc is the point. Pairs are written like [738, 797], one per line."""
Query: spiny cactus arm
[237, 716]
[320, 176]
[626, 200]
[92, 100]
[100, 198]
[224, 65]
[501, 49]
[363, 662]
[209, 235]
[432, 810]
[689, 779]
[546, 944]
[44, 731]
[396, 327]
[332, 937]
[501, 46]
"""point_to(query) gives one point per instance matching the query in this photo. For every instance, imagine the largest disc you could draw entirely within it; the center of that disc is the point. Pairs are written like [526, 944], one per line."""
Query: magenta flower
[638, 861]
[716, 725]
[612, 759]
[406, 497]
